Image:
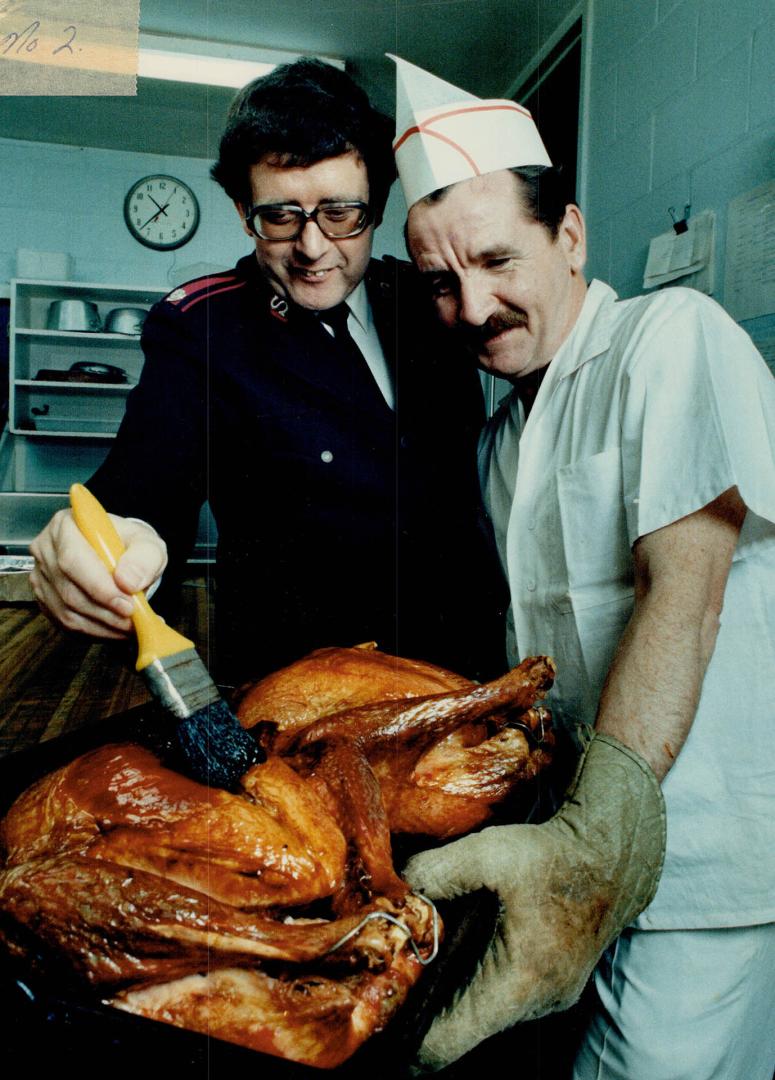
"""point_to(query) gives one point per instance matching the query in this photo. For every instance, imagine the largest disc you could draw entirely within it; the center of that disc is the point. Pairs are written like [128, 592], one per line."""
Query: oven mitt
[566, 888]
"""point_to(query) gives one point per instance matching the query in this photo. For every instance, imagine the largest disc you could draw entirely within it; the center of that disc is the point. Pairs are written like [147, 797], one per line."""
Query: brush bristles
[217, 749]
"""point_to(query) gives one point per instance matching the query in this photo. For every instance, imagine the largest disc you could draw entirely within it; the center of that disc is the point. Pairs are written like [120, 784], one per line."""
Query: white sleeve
[698, 416]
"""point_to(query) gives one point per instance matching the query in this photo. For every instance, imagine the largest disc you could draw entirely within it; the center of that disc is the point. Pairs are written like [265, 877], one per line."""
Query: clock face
[161, 212]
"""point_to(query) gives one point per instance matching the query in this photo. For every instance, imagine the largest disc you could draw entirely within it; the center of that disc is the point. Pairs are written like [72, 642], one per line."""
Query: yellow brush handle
[155, 639]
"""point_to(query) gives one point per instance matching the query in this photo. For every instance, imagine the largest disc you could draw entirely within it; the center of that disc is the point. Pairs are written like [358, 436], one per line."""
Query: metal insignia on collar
[279, 308]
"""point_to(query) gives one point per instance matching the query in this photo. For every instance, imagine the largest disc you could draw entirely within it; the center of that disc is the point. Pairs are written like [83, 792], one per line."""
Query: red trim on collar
[190, 289]
[207, 293]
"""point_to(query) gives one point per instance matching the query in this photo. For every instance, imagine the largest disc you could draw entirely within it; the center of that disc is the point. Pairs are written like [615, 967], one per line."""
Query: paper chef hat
[445, 135]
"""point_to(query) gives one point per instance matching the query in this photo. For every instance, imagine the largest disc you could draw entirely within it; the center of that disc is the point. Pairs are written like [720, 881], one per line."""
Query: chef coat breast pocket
[593, 531]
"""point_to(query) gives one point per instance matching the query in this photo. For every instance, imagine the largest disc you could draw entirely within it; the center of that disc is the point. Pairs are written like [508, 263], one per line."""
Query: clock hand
[150, 219]
[162, 209]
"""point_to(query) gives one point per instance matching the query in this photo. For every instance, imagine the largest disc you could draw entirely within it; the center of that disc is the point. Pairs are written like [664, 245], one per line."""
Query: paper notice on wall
[686, 256]
[762, 332]
[68, 47]
[749, 288]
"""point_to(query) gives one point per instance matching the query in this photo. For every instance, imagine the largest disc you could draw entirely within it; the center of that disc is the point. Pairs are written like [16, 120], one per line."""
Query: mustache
[477, 336]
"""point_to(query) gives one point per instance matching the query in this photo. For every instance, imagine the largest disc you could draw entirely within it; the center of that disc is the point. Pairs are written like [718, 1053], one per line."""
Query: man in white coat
[630, 476]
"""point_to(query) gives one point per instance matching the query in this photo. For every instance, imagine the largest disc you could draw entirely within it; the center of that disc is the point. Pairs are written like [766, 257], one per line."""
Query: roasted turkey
[273, 917]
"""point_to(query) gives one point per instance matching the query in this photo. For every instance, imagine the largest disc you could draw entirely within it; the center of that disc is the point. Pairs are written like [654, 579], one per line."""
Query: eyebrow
[481, 256]
[436, 273]
[333, 200]
[498, 252]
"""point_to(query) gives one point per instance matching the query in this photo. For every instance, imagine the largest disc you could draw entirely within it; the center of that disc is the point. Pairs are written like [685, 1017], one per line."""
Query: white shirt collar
[591, 333]
[590, 336]
[364, 333]
[358, 303]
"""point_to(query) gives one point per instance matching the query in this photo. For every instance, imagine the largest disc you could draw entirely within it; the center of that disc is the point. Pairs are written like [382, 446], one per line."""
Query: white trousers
[684, 1005]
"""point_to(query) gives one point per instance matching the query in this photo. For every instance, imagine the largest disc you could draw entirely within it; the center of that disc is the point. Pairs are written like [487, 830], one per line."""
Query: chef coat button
[531, 523]
[531, 586]
[327, 456]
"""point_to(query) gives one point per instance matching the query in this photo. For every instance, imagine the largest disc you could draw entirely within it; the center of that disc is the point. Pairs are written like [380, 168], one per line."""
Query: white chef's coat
[652, 408]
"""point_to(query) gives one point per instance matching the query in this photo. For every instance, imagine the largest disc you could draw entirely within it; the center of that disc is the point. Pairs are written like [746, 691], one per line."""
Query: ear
[572, 234]
[241, 211]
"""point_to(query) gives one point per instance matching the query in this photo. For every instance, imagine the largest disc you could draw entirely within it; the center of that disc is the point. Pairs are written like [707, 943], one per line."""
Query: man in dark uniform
[307, 396]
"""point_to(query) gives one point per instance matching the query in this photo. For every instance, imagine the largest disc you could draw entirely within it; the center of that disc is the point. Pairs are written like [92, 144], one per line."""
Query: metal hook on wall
[682, 225]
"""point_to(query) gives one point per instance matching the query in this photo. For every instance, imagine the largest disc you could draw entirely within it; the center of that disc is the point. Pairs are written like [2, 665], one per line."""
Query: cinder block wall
[680, 108]
[70, 198]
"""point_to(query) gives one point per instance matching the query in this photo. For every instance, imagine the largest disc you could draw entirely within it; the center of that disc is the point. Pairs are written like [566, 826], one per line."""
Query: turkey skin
[273, 917]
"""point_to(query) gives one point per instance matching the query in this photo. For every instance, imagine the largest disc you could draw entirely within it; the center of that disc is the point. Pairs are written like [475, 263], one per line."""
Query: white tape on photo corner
[68, 47]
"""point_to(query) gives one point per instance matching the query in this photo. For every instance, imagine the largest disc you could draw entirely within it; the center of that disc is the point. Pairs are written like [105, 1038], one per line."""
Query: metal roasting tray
[47, 1023]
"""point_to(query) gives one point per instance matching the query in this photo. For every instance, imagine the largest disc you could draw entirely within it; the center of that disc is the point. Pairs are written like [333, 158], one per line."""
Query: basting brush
[216, 748]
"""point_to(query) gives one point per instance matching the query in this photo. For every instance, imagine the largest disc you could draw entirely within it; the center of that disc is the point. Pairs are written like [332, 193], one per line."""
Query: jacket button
[327, 456]
[531, 586]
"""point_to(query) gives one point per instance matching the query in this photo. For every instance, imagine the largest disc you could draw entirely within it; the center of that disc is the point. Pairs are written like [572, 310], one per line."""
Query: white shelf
[46, 384]
[65, 433]
[77, 335]
[89, 290]
[53, 417]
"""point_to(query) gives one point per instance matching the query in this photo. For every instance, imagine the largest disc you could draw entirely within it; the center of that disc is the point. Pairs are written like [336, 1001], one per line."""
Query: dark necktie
[336, 318]
[361, 383]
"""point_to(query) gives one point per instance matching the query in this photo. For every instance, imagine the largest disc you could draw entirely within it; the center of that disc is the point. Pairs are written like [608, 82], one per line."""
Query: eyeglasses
[286, 221]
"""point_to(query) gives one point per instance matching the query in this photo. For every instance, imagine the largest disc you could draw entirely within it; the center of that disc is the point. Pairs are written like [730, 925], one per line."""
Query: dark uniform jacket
[339, 521]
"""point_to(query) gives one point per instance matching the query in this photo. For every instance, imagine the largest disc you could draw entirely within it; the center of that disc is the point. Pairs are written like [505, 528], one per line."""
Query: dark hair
[545, 194]
[300, 114]
[543, 191]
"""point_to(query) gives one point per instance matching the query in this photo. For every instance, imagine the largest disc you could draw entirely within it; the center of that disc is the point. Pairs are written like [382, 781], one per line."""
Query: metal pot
[125, 320]
[77, 315]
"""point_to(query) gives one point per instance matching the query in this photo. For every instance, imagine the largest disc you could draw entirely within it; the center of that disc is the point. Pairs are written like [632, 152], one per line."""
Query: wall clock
[161, 212]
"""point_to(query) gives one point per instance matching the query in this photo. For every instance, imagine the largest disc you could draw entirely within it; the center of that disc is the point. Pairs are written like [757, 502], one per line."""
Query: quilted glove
[566, 888]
